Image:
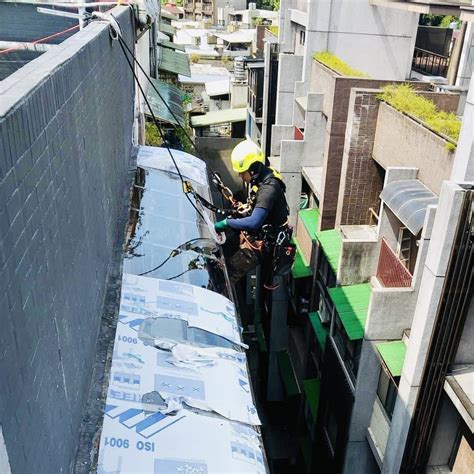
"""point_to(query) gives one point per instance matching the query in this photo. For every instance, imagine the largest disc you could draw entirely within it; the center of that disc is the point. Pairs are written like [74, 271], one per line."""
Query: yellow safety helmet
[245, 154]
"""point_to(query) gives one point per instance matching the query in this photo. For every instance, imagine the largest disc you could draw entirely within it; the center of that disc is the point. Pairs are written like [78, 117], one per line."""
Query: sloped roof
[219, 116]
[175, 62]
[171, 97]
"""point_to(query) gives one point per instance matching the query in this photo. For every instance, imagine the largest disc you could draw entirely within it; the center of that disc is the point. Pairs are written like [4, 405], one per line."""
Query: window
[349, 351]
[387, 391]
[302, 37]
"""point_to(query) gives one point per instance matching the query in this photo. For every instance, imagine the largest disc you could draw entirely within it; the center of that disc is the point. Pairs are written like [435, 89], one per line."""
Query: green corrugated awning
[310, 219]
[167, 28]
[300, 268]
[393, 355]
[320, 330]
[171, 96]
[171, 45]
[287, 373]
[175, 62]
[352, 303]
[312, 389]
[331, 242]
[219, 116]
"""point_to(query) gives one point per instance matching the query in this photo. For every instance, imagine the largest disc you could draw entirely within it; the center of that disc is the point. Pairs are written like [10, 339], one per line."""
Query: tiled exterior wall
[65, 149]
[361, 178]
[336, 106]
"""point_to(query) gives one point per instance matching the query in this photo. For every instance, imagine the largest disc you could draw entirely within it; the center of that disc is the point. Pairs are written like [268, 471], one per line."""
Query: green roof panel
[175, 62]
[352, 303]
[300, 268]
[312, 389]
[331, 243]
[171, 96]
[310, 219]
[171, 45]
[167, 28]
[393, 355]
[287, 373]
[320, 330]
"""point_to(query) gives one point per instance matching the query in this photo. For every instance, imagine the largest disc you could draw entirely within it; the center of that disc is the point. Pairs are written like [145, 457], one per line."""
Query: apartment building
[211, 10]
[371, 357]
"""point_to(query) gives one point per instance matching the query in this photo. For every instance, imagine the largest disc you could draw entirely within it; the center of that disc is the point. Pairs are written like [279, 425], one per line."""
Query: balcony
[391, 273]
[427, 62]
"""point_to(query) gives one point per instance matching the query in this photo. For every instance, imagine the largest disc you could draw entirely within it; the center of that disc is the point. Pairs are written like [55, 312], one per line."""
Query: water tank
[239, 69]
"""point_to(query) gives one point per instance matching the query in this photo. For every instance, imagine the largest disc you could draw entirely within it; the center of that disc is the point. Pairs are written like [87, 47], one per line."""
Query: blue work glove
[221, 225]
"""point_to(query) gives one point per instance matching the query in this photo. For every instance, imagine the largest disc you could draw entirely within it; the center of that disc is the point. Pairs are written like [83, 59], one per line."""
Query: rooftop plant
[338, 65]
[273, 29]
[405, 99]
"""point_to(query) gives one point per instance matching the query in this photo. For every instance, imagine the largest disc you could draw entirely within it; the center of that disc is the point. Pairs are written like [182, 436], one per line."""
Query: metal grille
[391, 272]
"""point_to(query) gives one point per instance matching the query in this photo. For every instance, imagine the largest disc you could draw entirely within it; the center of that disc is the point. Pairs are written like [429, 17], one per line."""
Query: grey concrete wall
[400, 141]
[65, 149]
[463, 167]
[431, 289]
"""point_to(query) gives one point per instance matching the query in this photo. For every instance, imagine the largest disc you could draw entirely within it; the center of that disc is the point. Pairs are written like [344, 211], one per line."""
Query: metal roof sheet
[172, 97]
[352, 303]
[241, 36]
[393, 355]
[331, 243]
[136, 440]
[171, 45]
[220, 87]
[408, 200]
[159, 159]
[219, 116]
[174, 61]
[167, 28]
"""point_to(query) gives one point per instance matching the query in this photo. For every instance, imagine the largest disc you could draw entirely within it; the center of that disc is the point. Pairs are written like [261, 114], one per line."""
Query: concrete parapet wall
[66, 123]
[358, 261]
[401, 141]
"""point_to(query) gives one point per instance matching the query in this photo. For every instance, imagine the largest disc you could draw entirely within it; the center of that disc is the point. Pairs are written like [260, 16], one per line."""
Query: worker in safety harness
[265, 236]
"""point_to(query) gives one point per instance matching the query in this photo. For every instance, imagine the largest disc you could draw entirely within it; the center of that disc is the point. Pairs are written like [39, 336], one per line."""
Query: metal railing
[391, 272]
[430, 63]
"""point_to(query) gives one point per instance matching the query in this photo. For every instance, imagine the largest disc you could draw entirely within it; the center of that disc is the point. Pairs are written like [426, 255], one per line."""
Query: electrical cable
[173, 253]
[158, 126]
[178, 123]
[162, 99]
[182, 273]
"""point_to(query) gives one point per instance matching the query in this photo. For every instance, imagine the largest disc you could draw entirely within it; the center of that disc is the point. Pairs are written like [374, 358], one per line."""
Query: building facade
[370, 362]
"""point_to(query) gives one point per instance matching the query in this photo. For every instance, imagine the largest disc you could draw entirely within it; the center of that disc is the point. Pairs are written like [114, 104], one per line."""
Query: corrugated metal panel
[219, 116]
[408, 200]
[352, 303]
[171, 45]
[393, 355]
[167, 28]
[175, 62]
[172, 96]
